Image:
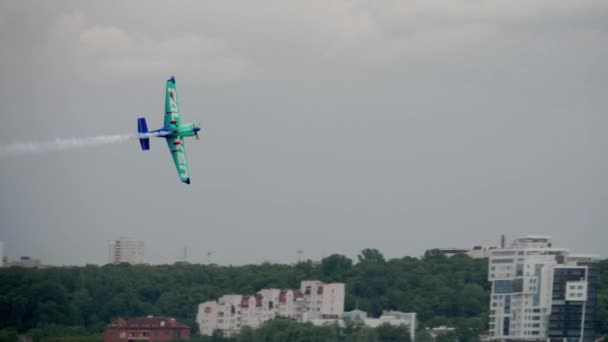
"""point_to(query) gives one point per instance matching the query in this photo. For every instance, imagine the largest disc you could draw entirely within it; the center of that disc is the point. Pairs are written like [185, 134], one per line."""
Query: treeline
[441, 290]
[283, 329]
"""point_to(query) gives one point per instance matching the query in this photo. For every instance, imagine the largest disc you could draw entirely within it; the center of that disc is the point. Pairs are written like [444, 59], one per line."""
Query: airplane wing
[178, 151]
[172, 114]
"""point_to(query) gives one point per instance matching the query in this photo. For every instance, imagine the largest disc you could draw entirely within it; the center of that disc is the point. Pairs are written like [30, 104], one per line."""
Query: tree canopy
[441, 290]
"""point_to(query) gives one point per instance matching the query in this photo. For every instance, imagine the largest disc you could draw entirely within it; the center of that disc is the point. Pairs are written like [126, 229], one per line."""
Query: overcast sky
[328, 126]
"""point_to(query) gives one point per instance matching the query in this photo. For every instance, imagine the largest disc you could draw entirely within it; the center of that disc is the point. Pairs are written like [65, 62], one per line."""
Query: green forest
[76, 303]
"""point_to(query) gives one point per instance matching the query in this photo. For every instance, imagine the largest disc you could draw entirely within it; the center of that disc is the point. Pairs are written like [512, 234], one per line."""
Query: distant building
[126, 250]
[318, 320]
[26, 261]
[541, 293]
[355, 315]
[145, 329]
[1, 254]
[451, 251]
[394, 318]
[440, 330]
[480, 252]
[231, 312]
[476, 252]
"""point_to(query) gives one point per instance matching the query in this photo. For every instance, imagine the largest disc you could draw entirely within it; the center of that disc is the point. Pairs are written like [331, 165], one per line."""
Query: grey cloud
[107, 51]
[327, 126]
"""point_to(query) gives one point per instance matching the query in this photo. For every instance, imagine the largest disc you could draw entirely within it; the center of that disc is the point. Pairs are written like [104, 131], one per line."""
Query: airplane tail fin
[142, 127]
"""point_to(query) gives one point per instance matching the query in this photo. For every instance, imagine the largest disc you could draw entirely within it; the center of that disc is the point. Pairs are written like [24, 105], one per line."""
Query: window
[503, 286]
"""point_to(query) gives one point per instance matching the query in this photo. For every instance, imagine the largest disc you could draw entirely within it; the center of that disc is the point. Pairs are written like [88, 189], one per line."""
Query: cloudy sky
[328, 126]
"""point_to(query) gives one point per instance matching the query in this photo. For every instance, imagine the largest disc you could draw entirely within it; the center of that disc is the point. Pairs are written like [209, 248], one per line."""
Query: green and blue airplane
[173, 131]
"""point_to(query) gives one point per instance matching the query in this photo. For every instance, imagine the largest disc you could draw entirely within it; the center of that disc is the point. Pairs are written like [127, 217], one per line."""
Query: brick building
[145, 329]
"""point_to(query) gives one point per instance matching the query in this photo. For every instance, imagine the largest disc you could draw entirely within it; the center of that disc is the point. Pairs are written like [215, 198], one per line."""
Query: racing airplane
[173, 131]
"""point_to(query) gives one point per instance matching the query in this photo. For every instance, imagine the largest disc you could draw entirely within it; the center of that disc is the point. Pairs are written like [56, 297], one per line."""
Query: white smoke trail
[152, 134]
[21, 148]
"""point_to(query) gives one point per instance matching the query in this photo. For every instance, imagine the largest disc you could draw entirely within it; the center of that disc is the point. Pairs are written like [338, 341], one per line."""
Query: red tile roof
[148, 322]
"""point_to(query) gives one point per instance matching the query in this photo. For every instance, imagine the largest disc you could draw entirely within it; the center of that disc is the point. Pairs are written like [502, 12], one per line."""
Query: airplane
[173, 131]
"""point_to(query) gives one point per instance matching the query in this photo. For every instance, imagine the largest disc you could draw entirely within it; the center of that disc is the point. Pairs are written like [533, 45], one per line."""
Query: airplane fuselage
[183, 130]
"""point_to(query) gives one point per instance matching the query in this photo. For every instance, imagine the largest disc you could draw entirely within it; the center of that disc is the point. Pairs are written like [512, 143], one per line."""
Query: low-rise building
[440, 330]
[145, 329]
[395, 318]
[475, 252]
[480, 252]
[451, 251]
[26, 261]
[355, 315]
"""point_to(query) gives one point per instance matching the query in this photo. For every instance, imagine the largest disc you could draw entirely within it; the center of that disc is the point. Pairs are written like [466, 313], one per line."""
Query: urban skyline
[206, 256]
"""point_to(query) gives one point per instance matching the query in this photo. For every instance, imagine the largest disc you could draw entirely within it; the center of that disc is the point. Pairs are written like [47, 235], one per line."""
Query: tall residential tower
[540, 292]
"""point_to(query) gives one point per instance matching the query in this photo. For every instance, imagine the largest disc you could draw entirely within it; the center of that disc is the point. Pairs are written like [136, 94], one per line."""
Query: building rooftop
[147, 322]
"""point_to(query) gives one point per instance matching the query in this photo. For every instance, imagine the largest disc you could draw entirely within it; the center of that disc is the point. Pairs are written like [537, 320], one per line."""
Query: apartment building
[574, 300]
[530, 284]
[126, 250]
[231, 312]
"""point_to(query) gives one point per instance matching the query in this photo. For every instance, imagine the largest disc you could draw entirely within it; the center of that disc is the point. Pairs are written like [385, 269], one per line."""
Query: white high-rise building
[126, 250]
[526, 285]
[231, 312]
